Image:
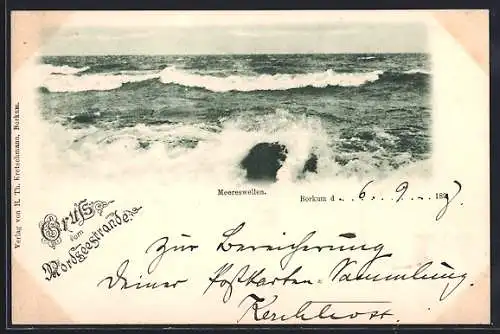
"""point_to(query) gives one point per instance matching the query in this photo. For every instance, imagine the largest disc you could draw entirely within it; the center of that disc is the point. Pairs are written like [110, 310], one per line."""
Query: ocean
[194, 116]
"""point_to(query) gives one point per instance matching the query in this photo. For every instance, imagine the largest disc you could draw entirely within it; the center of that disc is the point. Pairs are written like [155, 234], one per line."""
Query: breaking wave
[266, 81]
[96, 82]
[58, 79]
[178, 151]
[69, 82]
[48, 69]
[417, 71]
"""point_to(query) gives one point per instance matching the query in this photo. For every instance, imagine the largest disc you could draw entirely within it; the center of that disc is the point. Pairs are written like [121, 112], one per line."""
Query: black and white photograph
[250, 168]
[275, 102]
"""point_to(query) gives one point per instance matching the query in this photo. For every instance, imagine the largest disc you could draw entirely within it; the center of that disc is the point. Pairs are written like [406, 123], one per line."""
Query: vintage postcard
[251, 167]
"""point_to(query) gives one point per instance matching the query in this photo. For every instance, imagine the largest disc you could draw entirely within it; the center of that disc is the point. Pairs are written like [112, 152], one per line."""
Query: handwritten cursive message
[349, 261]
[261, 309]
[159, 248]
[257, 288]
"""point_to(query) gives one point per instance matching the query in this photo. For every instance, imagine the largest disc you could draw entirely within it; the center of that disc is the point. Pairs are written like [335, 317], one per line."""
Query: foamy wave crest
[417, 71]
[65, 69]
[164, 153]
[72, 83]
[366, 58]
[266, 81]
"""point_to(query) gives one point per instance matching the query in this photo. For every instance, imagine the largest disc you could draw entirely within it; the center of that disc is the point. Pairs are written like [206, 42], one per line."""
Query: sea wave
[69, 79]
[192, 151]
[68, 82]
[95, 82]
[186, 151]
[48, 69]
[266, 81]
[417, 71]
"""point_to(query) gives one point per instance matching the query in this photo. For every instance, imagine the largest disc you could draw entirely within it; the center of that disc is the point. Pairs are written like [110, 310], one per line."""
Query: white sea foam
[117, 153]
[416, 71]
[266, 81]
[64, 80]
[65, 69]
[96, 82]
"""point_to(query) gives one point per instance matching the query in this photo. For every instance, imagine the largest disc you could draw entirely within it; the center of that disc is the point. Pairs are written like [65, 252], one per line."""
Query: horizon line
[228, 54]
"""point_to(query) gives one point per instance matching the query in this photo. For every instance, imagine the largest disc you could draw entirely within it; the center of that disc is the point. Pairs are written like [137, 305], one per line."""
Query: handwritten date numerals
[362, 193]
[443, 210]
[401, 189]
